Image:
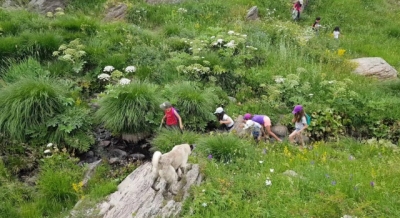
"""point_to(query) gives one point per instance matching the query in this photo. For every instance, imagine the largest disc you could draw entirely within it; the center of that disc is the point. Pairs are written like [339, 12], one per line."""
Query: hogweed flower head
[130, 69]
[108, 69]
[124, 81]
[104, 77]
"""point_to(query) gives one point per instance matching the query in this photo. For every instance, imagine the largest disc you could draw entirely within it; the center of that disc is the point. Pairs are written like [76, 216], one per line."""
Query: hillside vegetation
[63, 74]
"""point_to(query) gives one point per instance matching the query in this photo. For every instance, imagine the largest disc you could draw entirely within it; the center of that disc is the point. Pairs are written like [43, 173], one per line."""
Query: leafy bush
[129, 108]
[167, 139]
[195, 105]
[223, 147]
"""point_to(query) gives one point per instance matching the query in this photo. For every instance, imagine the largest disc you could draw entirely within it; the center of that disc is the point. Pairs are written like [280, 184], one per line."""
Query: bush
[129, 108]
[224, 147]
[27, 104]
[167, 139]
[194, 104]
[28, 68]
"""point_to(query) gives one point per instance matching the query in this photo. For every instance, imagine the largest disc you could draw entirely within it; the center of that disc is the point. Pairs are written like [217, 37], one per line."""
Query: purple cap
[297, 109]
[247, 116]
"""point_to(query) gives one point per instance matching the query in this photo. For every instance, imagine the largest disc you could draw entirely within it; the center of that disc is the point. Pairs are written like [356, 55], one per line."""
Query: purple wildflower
[312, 162]
[327, 175]
[209, 156]
[333, 182]
[372, 183]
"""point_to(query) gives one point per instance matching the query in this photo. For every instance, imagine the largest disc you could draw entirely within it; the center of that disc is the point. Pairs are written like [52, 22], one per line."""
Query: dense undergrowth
[195, 54]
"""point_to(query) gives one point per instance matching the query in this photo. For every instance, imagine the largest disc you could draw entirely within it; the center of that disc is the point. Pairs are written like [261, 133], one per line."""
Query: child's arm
[162, 120]
[179, 118]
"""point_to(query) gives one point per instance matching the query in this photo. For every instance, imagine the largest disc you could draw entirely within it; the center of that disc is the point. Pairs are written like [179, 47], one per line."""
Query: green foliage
[326, 125]
[72, 53]
[29, 68]
[167, 139]
[223, 147]
[100, 185]
[129, 108]
[195, 105]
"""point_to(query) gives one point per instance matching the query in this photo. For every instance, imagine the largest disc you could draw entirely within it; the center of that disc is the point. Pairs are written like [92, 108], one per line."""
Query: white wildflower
[47, 151]
[108, 69]
[204, 204]
[124, 81]
[202, 57]
[182, 10]
[230, 44]
[261, 161]
[311, 95]
[271, 170]
[212, 37]
[230, 32]
[220, 40]
[280, 80]
[190, 48]
[130, 69]
[203, 190]
[49, 145]
[104, 77]
[330, 82]
[268, 182]
[244, 35]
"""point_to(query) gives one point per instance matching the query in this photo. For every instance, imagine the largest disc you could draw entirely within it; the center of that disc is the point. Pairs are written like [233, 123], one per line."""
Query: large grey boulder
[280, 130]
[374, 67]
[252, 13]
[44, 6]
[135, 197]
[117, 12]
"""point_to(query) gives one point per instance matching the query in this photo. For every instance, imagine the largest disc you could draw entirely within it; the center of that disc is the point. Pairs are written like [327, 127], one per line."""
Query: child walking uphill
[300, 124]
[224, 119]
[264, 121]
[171, 116]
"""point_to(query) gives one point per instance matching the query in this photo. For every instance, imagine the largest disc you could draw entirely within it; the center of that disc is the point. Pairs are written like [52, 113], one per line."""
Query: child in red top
[297, 8]
[171, 116]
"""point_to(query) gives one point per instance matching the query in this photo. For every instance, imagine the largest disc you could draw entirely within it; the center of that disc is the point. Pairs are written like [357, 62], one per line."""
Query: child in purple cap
[264, 121]
[300, 123]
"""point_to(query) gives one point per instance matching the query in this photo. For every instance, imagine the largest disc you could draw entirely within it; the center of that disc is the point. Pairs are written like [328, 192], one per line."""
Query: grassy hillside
[195, 54]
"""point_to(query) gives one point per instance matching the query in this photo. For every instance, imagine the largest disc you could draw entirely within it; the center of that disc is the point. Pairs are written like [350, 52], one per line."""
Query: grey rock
[118, 153]
[135, 197]
[90, 154]
[89, 172]
[135, 138]
[232, 99]
[105, 143]
[114, 160]
[238, 127]
[374, 67]
[280, 130]
[117, 12]
[44, 6]
[252, 13]
[138, 156]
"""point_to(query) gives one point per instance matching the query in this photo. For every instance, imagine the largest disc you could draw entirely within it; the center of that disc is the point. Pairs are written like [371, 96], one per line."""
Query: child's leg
[301, 139]
[292, 136]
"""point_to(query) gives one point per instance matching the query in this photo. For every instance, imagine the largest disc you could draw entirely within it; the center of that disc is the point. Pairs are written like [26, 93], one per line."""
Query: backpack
[308, 118]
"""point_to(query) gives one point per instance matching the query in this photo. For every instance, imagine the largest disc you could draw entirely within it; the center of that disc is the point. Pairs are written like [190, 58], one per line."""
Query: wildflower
[230, 32]
[230, 44]
[268, 182]
[244, 35]
[130, 69]
[372, 183]
[108, 69]
[204, 204]
[327, 175]
[264, 151]
[212, 37]
[210, 156]
[47, 151]
[280, 80]
[271, 170]
[124, 81]
[203, 190]
[312, 162]
[220, 40]
[182, 10]
[104, 77]
[341, 52]
[311, 95]
[49, 145]
[351, 157]
[330, 82]
[333, 182]
[261, 161]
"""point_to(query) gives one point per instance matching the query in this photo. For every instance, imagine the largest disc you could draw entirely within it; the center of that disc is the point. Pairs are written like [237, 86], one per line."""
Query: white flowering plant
[72, 53]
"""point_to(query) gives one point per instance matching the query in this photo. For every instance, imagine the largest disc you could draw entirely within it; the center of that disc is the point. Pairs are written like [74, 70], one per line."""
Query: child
[300, 124]
[296, 10]
[255, 129]
[171, 116]
[264, 121]
[316, 24]
[224, 118]
[336, 32]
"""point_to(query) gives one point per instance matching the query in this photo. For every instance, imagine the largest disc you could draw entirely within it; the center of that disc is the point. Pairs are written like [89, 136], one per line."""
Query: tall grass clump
[27, 104]
[167, 139]
[129, 108]
[222, 147]
[195, 104]
[28, 68]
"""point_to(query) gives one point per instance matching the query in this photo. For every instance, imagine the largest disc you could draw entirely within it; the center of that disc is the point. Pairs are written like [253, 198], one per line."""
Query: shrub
[27, 104]
[129, 108]
[28, 68]
[167, 139]
[223, 147]
[195, 105]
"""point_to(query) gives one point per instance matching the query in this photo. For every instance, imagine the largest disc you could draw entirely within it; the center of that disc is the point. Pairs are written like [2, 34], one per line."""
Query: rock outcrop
[252, 13]
[44, 6]
[135, 198]
[374, 67]
[116, 13]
